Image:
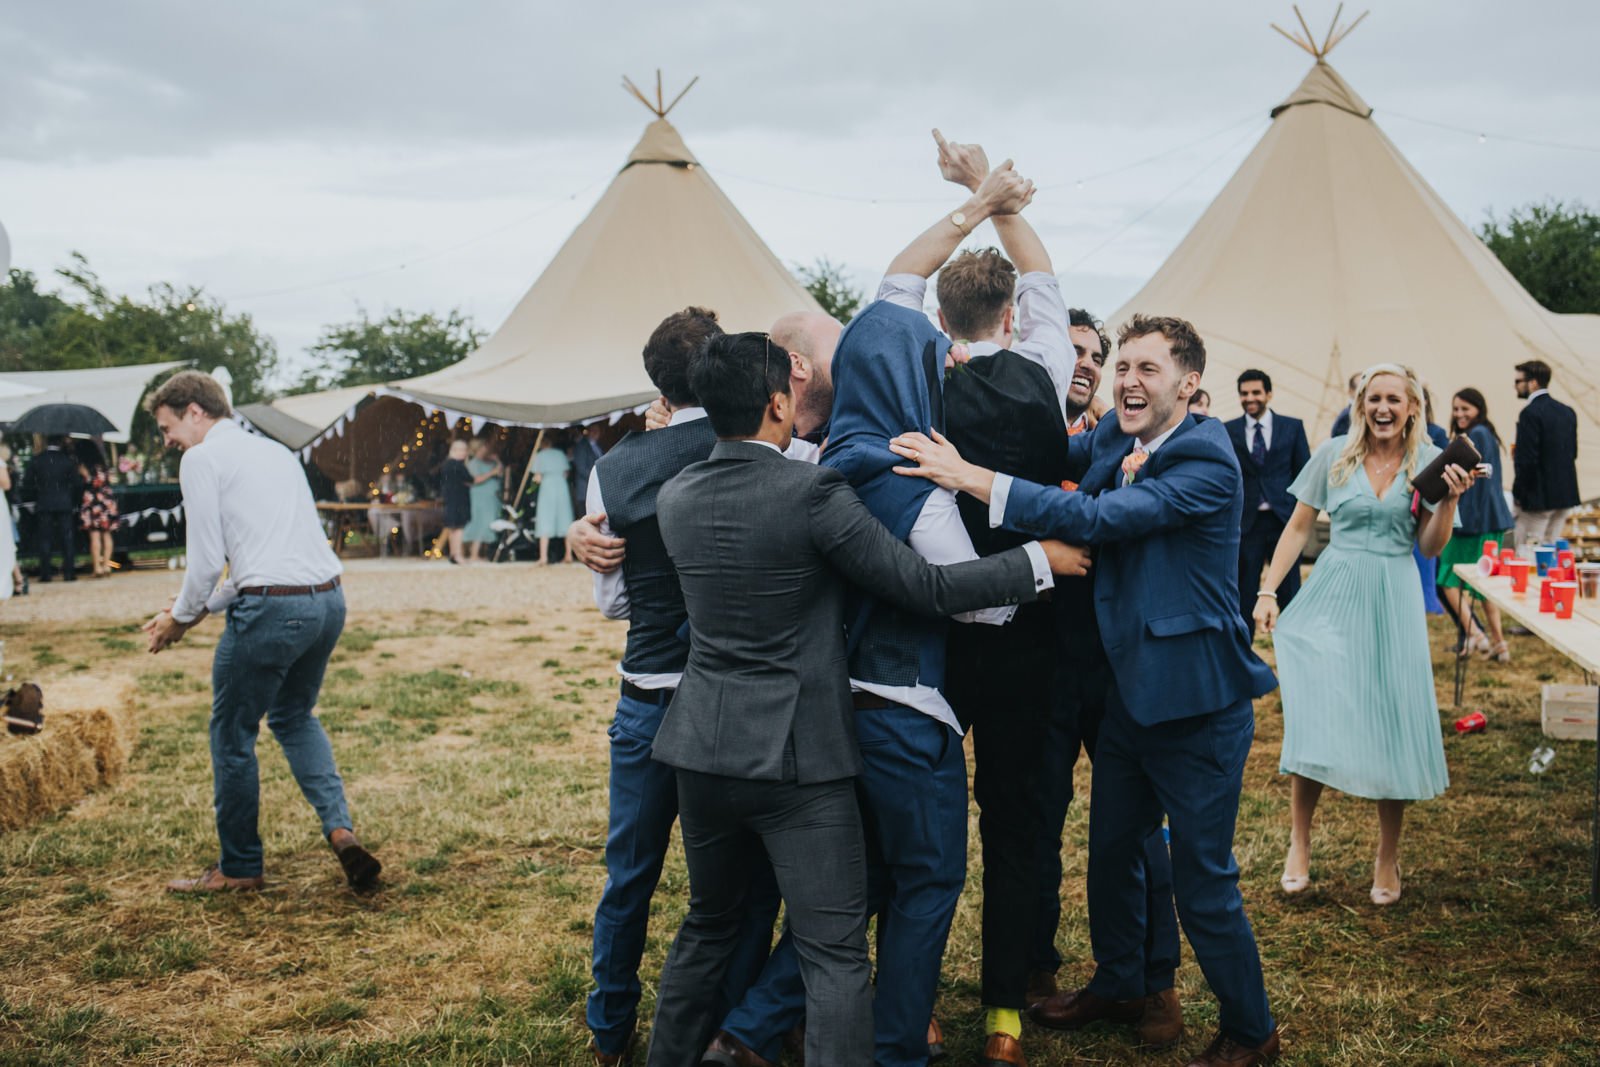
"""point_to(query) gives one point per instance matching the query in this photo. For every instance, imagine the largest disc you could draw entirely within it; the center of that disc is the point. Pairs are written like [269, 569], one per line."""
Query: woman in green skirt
[1484, 516]
[1359, 710]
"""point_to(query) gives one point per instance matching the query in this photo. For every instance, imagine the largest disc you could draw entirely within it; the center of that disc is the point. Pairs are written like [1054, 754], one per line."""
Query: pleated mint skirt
[1356, 675]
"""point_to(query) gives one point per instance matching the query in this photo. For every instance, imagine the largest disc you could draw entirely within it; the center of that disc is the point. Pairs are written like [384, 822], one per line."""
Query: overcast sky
[300, 158]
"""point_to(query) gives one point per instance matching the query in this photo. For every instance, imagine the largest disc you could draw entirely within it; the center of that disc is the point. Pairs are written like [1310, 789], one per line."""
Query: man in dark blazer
[761, 728]
[1161, 500]
[1271, 449]
[1545, 459]
[53, 482]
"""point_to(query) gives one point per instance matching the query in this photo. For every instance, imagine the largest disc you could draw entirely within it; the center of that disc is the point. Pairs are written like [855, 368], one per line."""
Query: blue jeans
[643, 807]
[270, 662]
[913, 789]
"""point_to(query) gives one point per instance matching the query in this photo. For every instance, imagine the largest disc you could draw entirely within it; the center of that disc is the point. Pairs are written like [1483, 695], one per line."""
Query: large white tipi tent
[1327, 252]
[662, 238]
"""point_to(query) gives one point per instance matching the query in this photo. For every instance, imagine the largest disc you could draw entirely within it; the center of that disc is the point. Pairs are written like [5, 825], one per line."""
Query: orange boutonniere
[1132, 462]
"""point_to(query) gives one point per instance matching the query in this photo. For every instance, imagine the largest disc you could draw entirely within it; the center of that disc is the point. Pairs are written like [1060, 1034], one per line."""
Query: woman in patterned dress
[98, 515]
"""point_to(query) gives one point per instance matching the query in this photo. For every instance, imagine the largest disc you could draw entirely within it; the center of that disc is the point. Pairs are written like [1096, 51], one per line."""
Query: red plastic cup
[1518, 569]
[1565, 595]
[1547, 600]
[1475, 723]
[1566, 558]
[1491, 548]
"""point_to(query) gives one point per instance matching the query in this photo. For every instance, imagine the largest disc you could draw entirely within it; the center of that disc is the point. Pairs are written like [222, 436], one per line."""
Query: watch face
[958, 218]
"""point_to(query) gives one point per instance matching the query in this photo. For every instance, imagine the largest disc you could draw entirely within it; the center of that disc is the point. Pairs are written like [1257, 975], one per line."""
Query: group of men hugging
[841, 551]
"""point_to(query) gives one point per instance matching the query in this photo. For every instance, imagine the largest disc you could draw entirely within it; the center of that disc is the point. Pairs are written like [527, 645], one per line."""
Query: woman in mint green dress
[488, 478]
[553, 508]
[1356, 674]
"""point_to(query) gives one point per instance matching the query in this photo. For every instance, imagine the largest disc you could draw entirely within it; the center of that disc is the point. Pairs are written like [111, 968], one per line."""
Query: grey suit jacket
[764, 547]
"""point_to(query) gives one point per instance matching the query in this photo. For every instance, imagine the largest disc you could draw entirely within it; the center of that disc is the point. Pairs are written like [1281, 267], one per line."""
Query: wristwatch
[959, 221]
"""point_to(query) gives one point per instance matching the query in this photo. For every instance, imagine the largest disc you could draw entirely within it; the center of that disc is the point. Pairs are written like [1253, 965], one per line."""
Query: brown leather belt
[871, 702]
[290, 590]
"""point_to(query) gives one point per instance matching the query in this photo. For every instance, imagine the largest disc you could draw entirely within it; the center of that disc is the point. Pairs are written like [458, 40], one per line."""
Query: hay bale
[87, 738]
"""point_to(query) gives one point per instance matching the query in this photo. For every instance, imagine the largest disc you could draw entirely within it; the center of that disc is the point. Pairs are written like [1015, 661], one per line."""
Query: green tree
[400, 345]
[1553, 249]
[826, 283]
[88, 326]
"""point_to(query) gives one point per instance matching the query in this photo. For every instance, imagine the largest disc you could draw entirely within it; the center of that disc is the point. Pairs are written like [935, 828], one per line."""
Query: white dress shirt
[1000, 492]
[1250, 424]
[1042, 324]
[248, 507]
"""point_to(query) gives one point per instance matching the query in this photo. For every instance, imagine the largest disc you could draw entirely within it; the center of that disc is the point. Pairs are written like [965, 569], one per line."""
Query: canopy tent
[305, 420]
[662, 238]
[115, 392]
[1327, 252]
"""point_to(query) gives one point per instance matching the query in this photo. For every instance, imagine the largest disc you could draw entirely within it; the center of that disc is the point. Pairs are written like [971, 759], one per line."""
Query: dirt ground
[468, 710]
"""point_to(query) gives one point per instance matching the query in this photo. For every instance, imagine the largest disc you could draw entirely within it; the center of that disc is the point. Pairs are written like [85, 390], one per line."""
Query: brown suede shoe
[212, 880]
[1224, 1051]
[1002, 1050]
[726, 1050]
[1076, 1009]
[935, 1039]
[1041, 986]
[1161, 1024]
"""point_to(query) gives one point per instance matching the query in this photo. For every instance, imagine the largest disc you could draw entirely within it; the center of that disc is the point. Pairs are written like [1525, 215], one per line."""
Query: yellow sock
[1003, 1021]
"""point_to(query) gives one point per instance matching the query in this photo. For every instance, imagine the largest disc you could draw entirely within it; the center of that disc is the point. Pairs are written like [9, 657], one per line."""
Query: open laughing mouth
[1383, 421]
[1082, 383]
[1134, 405]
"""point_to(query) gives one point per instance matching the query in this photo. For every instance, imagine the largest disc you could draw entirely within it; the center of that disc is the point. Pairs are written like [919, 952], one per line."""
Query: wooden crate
[1567, 712]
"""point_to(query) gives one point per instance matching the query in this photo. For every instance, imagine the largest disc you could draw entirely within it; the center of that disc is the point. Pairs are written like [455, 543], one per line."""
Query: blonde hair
[1359, 442]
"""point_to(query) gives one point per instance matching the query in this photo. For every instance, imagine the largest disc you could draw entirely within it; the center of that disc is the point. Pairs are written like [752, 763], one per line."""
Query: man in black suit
[585, 451]
[1545, 458]
[761, 728]
[1271, 449]
[55, 485]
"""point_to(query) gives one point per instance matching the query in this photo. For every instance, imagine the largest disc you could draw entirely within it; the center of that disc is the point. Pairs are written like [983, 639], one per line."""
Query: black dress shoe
[726, 1050]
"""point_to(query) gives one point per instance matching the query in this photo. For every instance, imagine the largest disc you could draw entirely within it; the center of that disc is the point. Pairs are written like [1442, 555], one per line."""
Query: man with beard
[1160, 498]
[1271, 449]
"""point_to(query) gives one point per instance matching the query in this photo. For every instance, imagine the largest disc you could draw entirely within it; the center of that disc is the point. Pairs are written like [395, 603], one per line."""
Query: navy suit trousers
[1258, 540]
[1189, 770]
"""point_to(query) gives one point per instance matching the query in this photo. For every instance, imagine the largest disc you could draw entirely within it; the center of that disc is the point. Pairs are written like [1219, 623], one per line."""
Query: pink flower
[1132, 462]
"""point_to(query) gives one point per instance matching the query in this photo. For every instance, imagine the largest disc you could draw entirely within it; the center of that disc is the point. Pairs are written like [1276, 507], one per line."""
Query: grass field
[474, 752]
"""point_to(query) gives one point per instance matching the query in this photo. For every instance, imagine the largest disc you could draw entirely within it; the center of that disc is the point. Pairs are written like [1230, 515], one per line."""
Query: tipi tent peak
[1327, 252]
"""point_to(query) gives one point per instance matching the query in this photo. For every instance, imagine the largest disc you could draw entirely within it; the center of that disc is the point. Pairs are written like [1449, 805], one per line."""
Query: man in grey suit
[761, 728]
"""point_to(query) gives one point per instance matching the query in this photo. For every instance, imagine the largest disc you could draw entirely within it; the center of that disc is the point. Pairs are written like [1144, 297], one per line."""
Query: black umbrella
[54, 419]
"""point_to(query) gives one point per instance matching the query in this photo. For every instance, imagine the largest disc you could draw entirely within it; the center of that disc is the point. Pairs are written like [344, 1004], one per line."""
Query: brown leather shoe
[794, 1046]
[935, 1039]
[1041, 986]
[1224, 1051]
[613, 1059]
[1002, 1050]
[726, 1050]
[1161, 1024]
[212, 880]
[1076, 1009]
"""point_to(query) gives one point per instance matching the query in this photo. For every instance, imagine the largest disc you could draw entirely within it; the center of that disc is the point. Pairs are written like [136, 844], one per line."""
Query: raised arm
[1002, 192]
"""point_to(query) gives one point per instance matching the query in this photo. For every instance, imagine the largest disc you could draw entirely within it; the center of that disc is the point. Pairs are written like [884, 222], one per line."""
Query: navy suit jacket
[1545, 460]
[1166, 572]
[1286, 454]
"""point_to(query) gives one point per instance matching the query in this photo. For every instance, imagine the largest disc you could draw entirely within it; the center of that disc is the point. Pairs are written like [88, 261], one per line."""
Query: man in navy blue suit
[1271, 449]
[1160, 499]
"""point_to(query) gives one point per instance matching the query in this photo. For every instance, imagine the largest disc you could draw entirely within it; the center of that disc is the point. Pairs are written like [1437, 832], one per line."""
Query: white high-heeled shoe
[1294, 883]
[1382, 896]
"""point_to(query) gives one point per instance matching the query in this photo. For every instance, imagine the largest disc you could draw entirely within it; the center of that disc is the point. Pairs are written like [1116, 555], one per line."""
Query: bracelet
[1266, 592]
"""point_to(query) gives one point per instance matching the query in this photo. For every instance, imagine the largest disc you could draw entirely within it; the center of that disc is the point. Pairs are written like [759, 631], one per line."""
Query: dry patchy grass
[474, 754]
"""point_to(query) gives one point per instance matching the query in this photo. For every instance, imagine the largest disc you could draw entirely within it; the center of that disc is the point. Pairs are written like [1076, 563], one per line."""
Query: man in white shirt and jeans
[249, 509]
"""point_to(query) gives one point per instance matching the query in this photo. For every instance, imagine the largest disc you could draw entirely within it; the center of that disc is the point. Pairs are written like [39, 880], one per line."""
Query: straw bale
[87, 738]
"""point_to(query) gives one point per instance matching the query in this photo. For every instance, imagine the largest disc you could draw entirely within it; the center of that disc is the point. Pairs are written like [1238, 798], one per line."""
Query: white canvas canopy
[115, 392]
[1327, 252]
[662, 238]
[304, 420]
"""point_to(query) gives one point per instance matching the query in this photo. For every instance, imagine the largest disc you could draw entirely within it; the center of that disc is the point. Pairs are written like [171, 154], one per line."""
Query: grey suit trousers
[812, 835]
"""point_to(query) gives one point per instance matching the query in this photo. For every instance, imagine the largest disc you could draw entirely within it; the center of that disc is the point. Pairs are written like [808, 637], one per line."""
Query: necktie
[1258, 447]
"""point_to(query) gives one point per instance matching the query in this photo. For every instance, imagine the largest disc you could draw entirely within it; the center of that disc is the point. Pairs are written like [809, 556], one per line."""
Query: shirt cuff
[1042, 578]
[999, 493]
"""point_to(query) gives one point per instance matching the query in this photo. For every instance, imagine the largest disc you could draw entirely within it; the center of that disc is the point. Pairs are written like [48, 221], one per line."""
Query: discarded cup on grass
[1541, 759]
[1475, 723]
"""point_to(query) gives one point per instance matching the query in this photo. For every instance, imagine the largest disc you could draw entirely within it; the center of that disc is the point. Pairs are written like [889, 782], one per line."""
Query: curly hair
[1188, 351]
